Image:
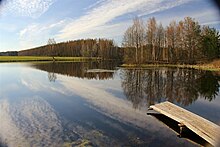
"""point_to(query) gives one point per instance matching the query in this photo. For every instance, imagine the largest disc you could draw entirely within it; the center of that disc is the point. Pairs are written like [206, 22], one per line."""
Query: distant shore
[43, 58]
[211, 66]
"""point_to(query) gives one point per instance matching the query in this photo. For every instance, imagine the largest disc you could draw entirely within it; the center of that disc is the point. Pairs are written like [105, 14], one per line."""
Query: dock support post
[182, 128]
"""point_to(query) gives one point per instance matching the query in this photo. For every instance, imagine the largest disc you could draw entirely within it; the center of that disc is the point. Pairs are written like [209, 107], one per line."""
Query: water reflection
[52, 76]
[182, 86]
[144, 87]
[29, 122]
[187, 133]
[97, 112]
[84, 111]
[78, 69]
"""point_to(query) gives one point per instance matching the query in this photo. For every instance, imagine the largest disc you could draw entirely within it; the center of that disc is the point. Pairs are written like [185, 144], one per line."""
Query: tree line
[180, 42]
[9, 53]
[103, 48]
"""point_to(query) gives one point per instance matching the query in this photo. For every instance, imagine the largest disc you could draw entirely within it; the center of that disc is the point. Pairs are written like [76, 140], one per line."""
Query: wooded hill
[103, 48]
[180, 42]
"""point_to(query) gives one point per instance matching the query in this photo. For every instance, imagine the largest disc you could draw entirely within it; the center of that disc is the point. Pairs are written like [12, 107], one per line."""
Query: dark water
[68, 104]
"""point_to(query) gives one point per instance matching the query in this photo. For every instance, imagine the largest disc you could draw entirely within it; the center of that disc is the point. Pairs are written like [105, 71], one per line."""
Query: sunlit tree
[135, 37]
[151, 35]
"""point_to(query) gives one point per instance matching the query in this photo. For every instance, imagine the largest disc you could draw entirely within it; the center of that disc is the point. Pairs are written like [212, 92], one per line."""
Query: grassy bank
[39, 58]
[212, 66]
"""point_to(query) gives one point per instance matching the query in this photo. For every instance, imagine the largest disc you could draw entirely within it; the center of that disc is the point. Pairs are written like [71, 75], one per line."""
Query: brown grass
[212, 66]
[215, 63]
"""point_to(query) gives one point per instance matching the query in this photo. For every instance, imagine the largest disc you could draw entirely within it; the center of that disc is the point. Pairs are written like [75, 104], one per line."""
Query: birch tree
[151, 35]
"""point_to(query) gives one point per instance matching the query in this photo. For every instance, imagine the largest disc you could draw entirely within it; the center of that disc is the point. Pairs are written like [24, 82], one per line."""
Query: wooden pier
[207, 130]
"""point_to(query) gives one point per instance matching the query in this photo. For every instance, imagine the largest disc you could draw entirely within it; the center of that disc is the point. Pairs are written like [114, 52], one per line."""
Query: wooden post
[182, 128]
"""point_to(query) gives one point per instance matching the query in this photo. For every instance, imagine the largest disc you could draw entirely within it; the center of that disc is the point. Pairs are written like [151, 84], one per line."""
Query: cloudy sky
[30, 23]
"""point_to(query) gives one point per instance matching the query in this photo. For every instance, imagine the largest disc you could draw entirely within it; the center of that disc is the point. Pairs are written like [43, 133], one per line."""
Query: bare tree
[180, 41]
[159, 41]
[192, 36]
[171, 40]
[51, 42]
[128, 38]
[138, 28]
[134, 37]
[151, 35]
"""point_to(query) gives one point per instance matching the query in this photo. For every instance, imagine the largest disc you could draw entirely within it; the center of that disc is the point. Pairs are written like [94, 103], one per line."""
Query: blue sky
[30, 23]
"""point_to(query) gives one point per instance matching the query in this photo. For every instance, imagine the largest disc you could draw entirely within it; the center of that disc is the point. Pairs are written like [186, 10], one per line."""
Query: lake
[70, 104]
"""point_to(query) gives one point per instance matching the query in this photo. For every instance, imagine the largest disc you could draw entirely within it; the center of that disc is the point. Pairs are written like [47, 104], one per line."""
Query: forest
[185, 41]
[103, 48]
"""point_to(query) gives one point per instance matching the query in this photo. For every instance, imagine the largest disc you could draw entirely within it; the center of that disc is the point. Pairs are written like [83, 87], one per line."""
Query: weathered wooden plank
[208, 130]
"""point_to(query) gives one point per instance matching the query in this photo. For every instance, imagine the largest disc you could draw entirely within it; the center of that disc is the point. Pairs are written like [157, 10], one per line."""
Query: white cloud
[30, 8]
[206, 17]
[99, 2]
[100, 20]
[35, 34]
[211, 23]
[34, 28]
[106, 31]
[160, 6]
[106, 103]
[29, 122]
[108, 10]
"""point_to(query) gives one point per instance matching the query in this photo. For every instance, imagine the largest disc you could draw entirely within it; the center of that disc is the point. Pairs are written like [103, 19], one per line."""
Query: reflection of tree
[78, 69]
[182, 85]
[52, 76]
[134, 88]
[209, 86]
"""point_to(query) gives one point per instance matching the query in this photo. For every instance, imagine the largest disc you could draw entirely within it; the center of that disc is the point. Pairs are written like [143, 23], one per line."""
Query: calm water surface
[68, 104]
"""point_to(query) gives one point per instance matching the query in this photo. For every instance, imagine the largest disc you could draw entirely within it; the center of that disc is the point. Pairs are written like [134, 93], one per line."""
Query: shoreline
[211, 66]
[44, 58]
[208, 67]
